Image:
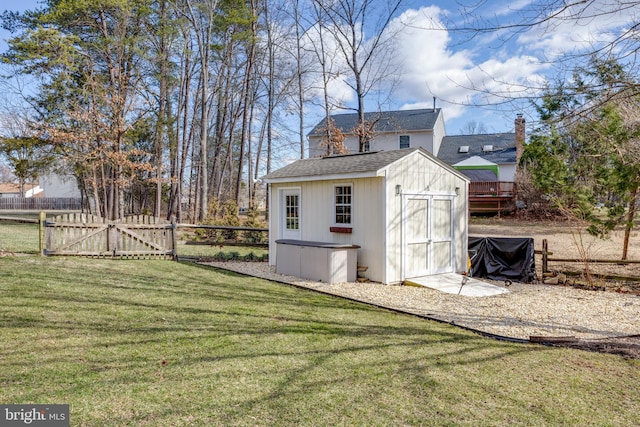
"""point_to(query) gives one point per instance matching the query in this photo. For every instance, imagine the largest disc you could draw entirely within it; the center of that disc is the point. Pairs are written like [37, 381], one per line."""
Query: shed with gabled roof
[405, 210]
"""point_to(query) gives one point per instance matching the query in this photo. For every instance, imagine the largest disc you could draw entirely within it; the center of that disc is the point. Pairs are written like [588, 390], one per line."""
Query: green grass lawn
[210, 251]
[168, 344]
[19, 237]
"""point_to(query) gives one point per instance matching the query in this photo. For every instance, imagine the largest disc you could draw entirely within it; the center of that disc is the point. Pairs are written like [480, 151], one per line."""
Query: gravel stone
[526, 310]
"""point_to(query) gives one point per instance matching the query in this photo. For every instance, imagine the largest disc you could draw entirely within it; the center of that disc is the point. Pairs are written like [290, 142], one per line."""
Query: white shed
[405, 211]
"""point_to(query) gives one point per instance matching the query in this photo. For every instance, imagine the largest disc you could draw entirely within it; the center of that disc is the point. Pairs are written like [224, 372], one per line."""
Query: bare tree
[201, 15]
[247, 91]
[350, 19]
[6, 175]
[473, 127]
[299, 74]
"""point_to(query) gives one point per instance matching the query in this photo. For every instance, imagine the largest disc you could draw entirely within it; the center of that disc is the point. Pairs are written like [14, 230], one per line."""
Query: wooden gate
[139, 236]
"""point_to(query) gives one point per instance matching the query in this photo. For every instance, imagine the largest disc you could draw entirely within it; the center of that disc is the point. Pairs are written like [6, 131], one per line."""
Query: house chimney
[520, 136]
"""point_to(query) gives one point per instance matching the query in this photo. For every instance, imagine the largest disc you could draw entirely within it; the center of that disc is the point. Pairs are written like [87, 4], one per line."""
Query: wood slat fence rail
[546, 259]
[18, 219]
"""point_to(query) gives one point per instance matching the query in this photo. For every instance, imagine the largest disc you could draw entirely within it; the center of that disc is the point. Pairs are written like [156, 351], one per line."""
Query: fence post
[41, 237]
[545, 256]
[174, 237]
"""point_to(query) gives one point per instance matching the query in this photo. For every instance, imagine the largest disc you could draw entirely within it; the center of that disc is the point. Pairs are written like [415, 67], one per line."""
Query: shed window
[343, 204]
[405, 141]
[292, 213]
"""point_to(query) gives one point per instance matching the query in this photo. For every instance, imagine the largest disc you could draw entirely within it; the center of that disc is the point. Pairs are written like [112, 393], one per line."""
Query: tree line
[166, 105]
[176, 107]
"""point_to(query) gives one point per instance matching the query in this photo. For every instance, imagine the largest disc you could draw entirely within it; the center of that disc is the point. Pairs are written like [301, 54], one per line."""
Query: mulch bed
[623, 346]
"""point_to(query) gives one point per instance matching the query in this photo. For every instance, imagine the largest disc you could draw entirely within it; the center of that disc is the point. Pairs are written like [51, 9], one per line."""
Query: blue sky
[471, 78]
[17, 5]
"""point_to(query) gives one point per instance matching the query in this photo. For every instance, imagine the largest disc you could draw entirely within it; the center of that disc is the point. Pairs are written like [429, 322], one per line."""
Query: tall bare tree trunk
[162, 99]
[247, 98]
[299, 77]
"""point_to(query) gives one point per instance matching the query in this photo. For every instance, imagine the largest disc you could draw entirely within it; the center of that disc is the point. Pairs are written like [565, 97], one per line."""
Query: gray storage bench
[321, 261]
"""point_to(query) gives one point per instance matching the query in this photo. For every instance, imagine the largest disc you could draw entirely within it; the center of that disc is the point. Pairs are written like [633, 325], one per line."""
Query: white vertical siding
[507, 172]
[274, 220]
[420, 175]
[377, 213]
[317, 216]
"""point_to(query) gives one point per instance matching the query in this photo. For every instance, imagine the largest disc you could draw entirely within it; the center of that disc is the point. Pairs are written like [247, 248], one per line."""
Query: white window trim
[282, 230]
[334, 206]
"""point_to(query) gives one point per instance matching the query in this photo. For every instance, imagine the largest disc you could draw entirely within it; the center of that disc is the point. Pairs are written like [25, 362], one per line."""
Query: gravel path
[526, 310]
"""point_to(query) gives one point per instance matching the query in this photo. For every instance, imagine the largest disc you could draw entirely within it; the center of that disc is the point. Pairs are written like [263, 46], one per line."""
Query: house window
[463, 149]
[343, 204]
[487, 148]
[405, 141]
[292, 220]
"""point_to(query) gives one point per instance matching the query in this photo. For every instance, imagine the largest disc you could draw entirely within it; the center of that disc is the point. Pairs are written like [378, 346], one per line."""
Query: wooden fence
[547, 257]
[41, 203]
[139, 236]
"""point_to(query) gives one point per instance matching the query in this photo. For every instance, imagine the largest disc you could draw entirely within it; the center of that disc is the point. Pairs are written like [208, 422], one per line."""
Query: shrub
[222, 215]
[253, 221]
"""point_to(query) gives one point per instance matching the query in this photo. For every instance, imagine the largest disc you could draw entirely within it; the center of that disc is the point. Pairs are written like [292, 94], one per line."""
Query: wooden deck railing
[492, 188]
[492, 197]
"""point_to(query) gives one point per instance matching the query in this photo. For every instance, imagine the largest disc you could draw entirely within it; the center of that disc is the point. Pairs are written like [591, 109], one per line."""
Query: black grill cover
[503, 258]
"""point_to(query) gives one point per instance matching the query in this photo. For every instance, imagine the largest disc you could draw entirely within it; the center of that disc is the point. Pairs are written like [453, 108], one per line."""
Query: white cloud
[475, 75]
[580, 27]
[491, 68]
[335, 66]
[507, 8]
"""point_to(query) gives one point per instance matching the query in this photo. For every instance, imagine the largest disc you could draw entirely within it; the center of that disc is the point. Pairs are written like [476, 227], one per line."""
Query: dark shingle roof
[386, 121]
[480, 175]
[504, 148]
[344, 165]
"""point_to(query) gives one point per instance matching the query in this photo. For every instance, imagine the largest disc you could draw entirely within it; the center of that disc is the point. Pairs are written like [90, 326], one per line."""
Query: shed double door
[428, 235]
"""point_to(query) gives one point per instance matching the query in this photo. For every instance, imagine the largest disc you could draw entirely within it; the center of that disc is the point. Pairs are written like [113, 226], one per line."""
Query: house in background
[491, 163]
[393, 130]
[10, 190]
[484, 157]
[404, 210]
[488, 160]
